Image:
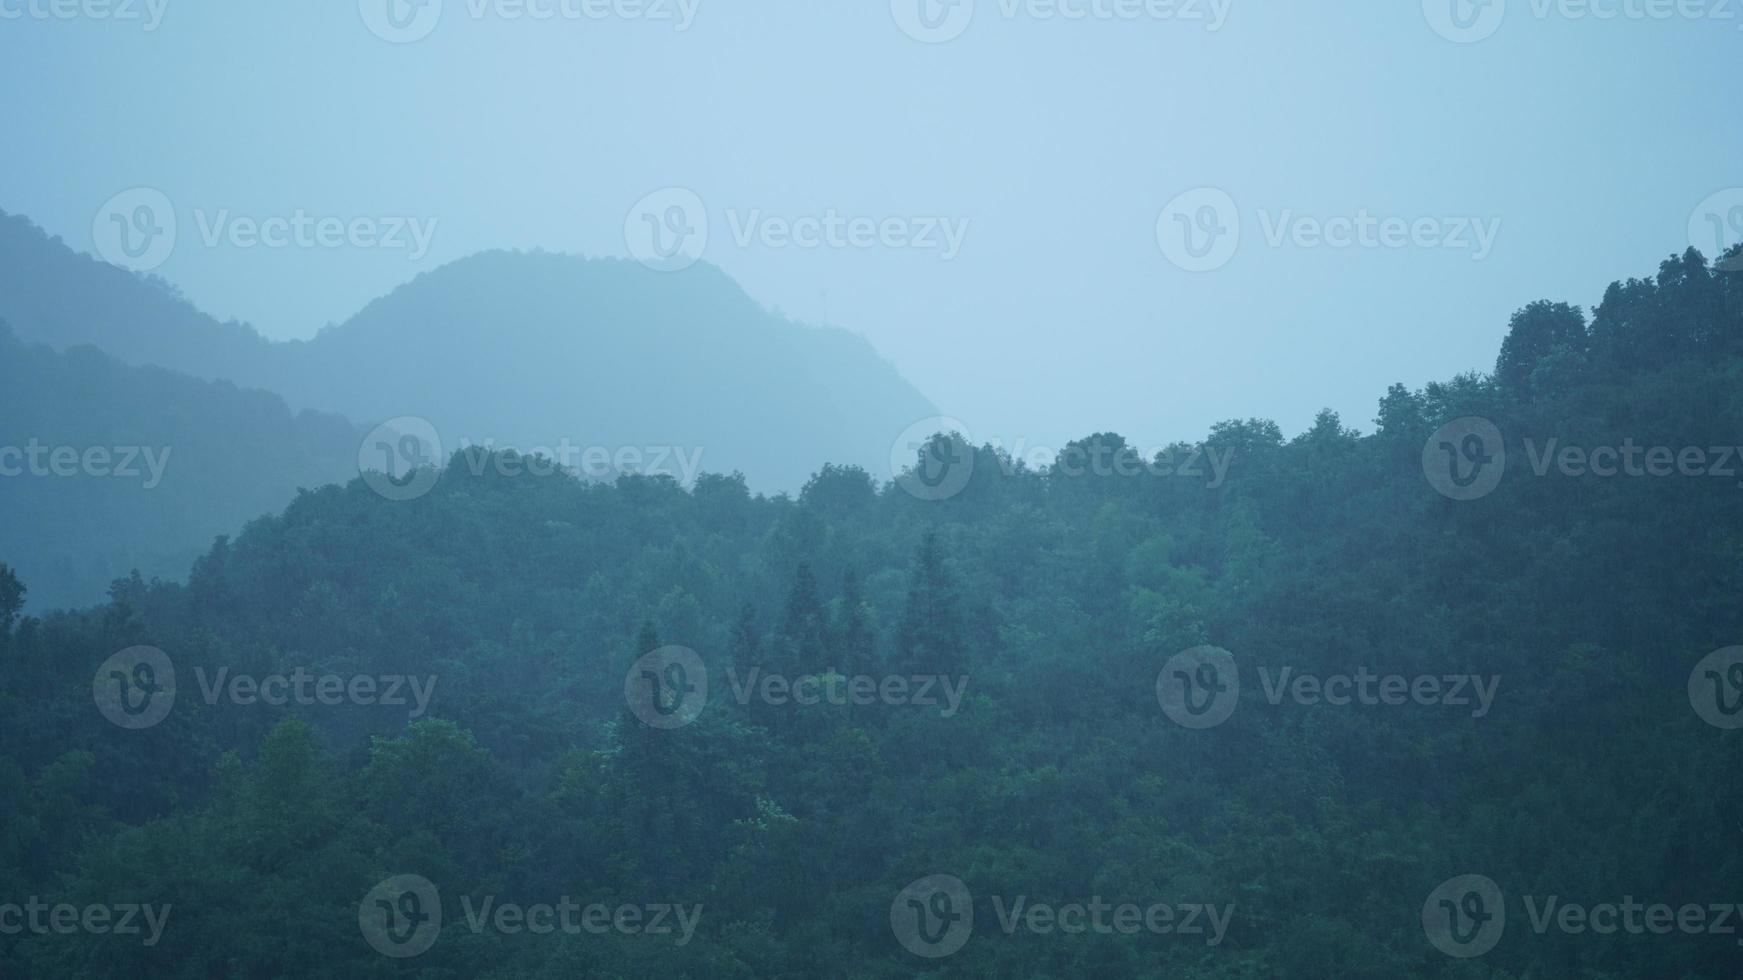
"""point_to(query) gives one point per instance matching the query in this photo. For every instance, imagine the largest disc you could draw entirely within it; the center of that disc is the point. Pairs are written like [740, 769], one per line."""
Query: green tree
[1542, 334]
[855, 640]
[11, 604]
[930, 637]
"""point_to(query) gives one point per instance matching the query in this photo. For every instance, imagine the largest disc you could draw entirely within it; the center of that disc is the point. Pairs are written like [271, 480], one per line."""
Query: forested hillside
[1043, 610]
[106, 467]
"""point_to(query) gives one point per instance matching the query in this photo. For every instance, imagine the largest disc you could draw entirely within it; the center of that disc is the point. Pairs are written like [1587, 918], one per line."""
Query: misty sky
[1543, 161]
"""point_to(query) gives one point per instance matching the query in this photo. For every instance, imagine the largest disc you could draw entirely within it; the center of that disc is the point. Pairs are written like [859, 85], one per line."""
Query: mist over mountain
[528, 349]
[515, 349]
[482, 494]
[54, 295]
[107, 468]
[1425, 657]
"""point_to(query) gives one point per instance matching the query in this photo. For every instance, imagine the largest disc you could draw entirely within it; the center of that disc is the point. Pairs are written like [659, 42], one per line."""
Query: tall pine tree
[929, 640]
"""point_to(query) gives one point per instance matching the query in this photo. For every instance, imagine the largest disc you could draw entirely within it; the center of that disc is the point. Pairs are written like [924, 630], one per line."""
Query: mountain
[532, 350]
[107, 467]
[528, 349]
[1415, 680]
[51, 294]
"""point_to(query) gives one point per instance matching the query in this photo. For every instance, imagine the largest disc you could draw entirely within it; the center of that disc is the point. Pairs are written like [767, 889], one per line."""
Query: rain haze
[1047, 138]
[728, 490]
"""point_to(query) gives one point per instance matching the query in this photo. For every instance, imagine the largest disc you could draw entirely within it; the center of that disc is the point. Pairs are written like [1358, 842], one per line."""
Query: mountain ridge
[560, 335]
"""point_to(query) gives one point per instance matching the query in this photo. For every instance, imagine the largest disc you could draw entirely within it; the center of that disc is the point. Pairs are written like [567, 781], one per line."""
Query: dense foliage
[1059, 596]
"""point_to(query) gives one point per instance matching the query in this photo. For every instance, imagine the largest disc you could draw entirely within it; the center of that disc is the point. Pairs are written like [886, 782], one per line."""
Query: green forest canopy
[530, 778]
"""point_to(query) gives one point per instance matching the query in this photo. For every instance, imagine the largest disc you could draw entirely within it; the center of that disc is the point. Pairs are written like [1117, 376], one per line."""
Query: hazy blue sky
[1060, 142]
